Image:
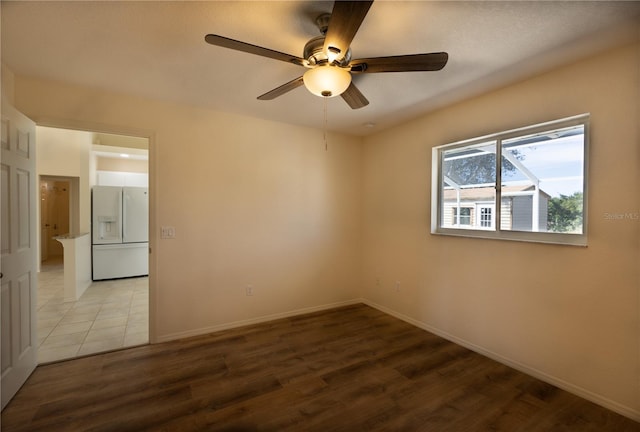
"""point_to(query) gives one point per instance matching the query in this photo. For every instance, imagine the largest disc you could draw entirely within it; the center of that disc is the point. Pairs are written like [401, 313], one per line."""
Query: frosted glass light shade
[327, 80]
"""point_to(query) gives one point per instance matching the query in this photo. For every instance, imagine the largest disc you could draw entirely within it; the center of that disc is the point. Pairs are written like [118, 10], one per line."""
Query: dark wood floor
[348, 369]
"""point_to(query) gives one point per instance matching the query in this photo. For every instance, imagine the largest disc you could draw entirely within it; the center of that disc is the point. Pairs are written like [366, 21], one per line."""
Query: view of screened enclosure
[537, 186]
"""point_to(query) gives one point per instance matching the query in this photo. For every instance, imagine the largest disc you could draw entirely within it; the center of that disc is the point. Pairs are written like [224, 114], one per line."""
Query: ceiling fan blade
[354, 97]
[284, 88]
[233, 44]
[402, 63]
[346, 18]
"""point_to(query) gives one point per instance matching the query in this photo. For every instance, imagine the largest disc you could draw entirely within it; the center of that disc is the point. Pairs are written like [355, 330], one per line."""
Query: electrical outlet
[397, 286]
[249, 290]
[377, 281]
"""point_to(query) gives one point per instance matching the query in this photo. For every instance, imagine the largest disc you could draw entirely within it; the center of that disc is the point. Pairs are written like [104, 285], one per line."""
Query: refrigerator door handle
[124, 218]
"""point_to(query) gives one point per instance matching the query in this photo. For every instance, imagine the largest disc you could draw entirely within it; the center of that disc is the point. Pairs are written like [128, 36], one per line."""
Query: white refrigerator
[120, 232]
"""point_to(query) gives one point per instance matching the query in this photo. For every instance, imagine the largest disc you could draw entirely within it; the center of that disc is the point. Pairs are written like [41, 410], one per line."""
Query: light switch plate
[168, 232]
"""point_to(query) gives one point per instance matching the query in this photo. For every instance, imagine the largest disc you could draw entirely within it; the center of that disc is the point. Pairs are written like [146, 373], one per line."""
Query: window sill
[521, 236]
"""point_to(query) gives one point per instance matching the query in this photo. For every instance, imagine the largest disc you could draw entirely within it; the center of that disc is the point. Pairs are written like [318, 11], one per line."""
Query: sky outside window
[557, 162]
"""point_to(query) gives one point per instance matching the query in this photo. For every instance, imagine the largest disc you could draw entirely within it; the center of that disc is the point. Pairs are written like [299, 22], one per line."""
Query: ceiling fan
[328, 57]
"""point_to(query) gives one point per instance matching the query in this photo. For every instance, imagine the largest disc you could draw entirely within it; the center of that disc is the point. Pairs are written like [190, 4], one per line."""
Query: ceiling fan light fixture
[327, 80]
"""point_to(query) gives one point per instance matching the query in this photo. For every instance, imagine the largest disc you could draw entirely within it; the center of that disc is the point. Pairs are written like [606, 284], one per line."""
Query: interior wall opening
[97, 314]
[54, 216]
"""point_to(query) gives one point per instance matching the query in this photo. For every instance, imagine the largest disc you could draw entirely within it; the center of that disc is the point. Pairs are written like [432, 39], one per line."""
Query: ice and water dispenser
[107, 216]
[108, 228]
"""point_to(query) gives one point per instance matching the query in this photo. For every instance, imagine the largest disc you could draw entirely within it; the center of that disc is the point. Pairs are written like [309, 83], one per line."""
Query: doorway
[54, 218]
[110, 314]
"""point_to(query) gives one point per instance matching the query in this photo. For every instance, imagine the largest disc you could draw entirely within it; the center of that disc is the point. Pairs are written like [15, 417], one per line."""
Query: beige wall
[252, 202]
[122, 165]
[568, 314]
[65, 153]
[111, 140]
[6, 82]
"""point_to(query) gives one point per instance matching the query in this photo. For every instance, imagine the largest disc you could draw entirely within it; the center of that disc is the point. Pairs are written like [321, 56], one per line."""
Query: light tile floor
[109, 315]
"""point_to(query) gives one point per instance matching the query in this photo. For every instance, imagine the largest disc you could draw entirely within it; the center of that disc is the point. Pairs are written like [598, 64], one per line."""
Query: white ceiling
[157, 50]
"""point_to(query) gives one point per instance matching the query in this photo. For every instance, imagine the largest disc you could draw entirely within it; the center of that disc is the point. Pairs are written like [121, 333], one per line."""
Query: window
[535, 190]
[465, 216]
[486, 217]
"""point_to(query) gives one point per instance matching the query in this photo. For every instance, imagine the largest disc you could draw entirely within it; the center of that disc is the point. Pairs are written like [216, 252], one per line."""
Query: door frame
[74, 206]
[34, 228]
[153, 237]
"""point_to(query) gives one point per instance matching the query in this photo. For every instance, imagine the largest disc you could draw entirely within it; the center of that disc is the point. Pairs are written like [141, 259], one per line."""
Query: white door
[18, 264]
[135, 215]
[106, 214]
[120, 260]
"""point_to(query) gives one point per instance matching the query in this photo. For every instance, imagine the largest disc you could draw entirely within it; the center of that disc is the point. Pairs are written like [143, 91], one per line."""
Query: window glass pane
[542, 182]
[465, 216]
[468, 177]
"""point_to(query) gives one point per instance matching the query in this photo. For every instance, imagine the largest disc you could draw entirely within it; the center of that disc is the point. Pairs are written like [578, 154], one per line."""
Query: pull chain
[324, 129]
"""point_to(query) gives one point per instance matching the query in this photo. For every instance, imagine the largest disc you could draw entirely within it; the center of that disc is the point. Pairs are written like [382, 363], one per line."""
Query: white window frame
[495, 232]
[492, 215]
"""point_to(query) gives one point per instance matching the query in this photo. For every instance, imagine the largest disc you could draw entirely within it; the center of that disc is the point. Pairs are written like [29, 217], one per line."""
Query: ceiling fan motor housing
[314, 49]
[315, 55]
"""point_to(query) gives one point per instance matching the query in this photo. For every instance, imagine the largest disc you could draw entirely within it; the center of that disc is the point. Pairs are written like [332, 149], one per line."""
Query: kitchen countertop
[70, 236]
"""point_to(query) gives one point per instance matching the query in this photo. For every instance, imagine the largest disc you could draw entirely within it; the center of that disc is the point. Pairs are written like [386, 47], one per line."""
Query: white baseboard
[571, 388]
[251, 321]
